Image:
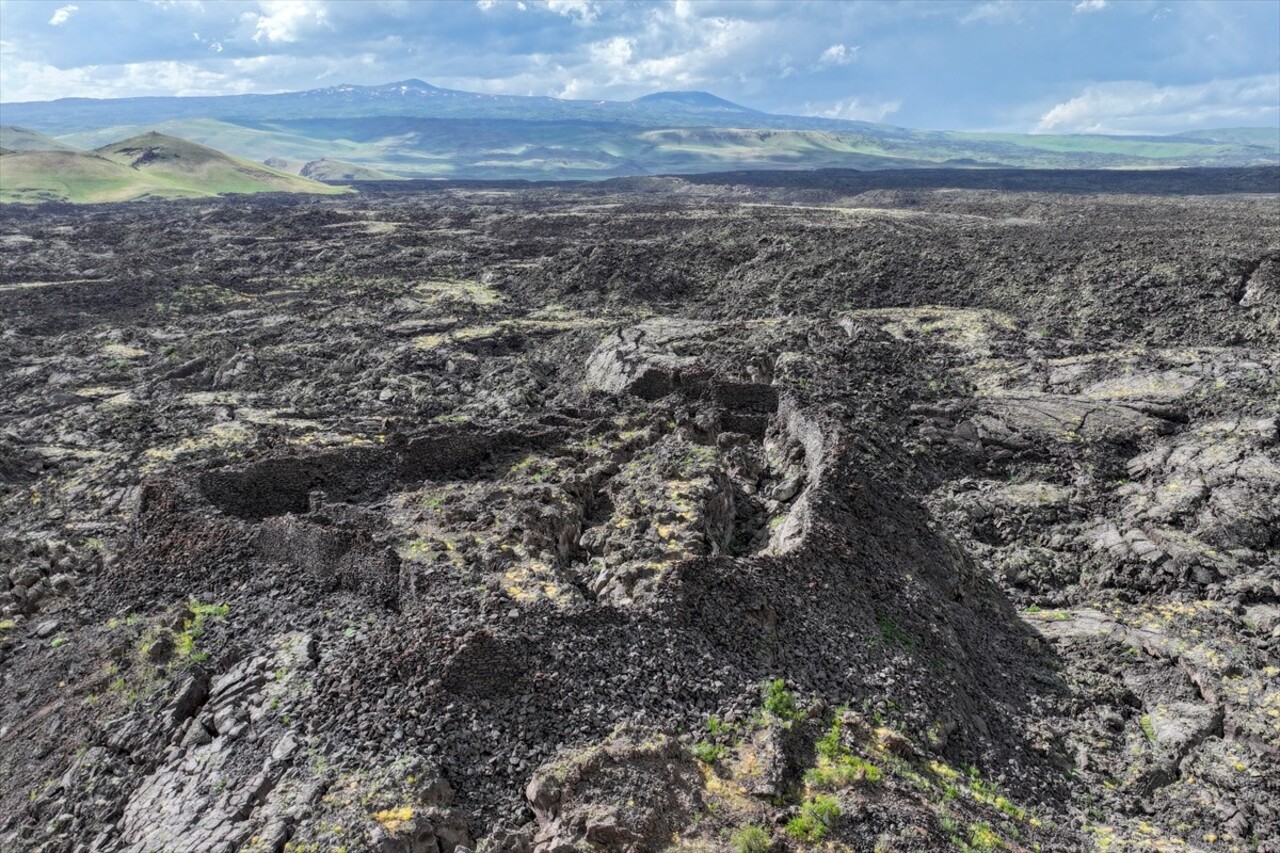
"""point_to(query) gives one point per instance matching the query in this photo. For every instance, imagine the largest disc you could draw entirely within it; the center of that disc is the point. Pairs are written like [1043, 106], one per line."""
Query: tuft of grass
[891, 634]
[989, 793]
[707, 752]
[829, 745]
[842, 772]
[193, 628]
[751, 839]
[185, 640]
[1008, 808]
[1148, 727]
[779, 701]
[983, 837]
[393, 819]
[815, 820]
[837, 766]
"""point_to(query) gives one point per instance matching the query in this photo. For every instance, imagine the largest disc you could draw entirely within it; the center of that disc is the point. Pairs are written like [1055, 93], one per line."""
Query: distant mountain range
[413, 129]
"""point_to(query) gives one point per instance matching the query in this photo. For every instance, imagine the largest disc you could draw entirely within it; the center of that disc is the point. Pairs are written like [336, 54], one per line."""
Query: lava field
[751, 512]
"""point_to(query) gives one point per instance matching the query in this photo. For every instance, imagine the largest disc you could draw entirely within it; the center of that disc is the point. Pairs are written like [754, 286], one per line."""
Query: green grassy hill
[149, 166]
[14, 138]
[409, 146]
[412, 129]
[1262, 137]
[206, 170]
[76, 176]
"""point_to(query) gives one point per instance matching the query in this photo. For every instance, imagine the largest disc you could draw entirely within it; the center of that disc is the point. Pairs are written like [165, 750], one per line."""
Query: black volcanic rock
[761, 510]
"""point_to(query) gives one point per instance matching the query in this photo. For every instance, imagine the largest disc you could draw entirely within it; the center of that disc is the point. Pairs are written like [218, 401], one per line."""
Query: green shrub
[707, 752]
[983, 837]
[815, 819]
[838, 767]
[779, 701]
[751, 839]
[842, 772]
[829, 746]
[193, 628]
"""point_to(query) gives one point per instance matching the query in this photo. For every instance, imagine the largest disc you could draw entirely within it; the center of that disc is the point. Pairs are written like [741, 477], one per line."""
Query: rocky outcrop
[626, 794]
[205, 795]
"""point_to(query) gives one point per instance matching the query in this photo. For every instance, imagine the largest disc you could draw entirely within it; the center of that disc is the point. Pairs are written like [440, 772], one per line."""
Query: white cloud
[615, 51]
[287, 20]
[1091, 5]
[839, 54]
[33, 81]
[855, 109]
[663, 51]
[994, 12]
[61, 15]
[1133, 106]
[583, 11]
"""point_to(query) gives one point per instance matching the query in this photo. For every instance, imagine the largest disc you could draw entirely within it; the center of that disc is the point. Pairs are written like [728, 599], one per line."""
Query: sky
[1041, 66]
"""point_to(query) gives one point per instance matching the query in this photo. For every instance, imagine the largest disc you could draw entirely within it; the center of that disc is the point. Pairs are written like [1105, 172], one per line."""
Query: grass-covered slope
[1266, 137]
[451, 147]
[35, 176]
[148, 166]
[475, 148]
[189, 165]
[14, 138]
[412, 129]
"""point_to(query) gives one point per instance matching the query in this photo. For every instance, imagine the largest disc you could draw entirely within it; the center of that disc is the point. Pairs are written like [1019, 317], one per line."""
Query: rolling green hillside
[197, 167]
[1265, 137]
[409, 146]
[256, 143]
[21, 139]
[148, 166]
[412, 129]
[76, 176]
